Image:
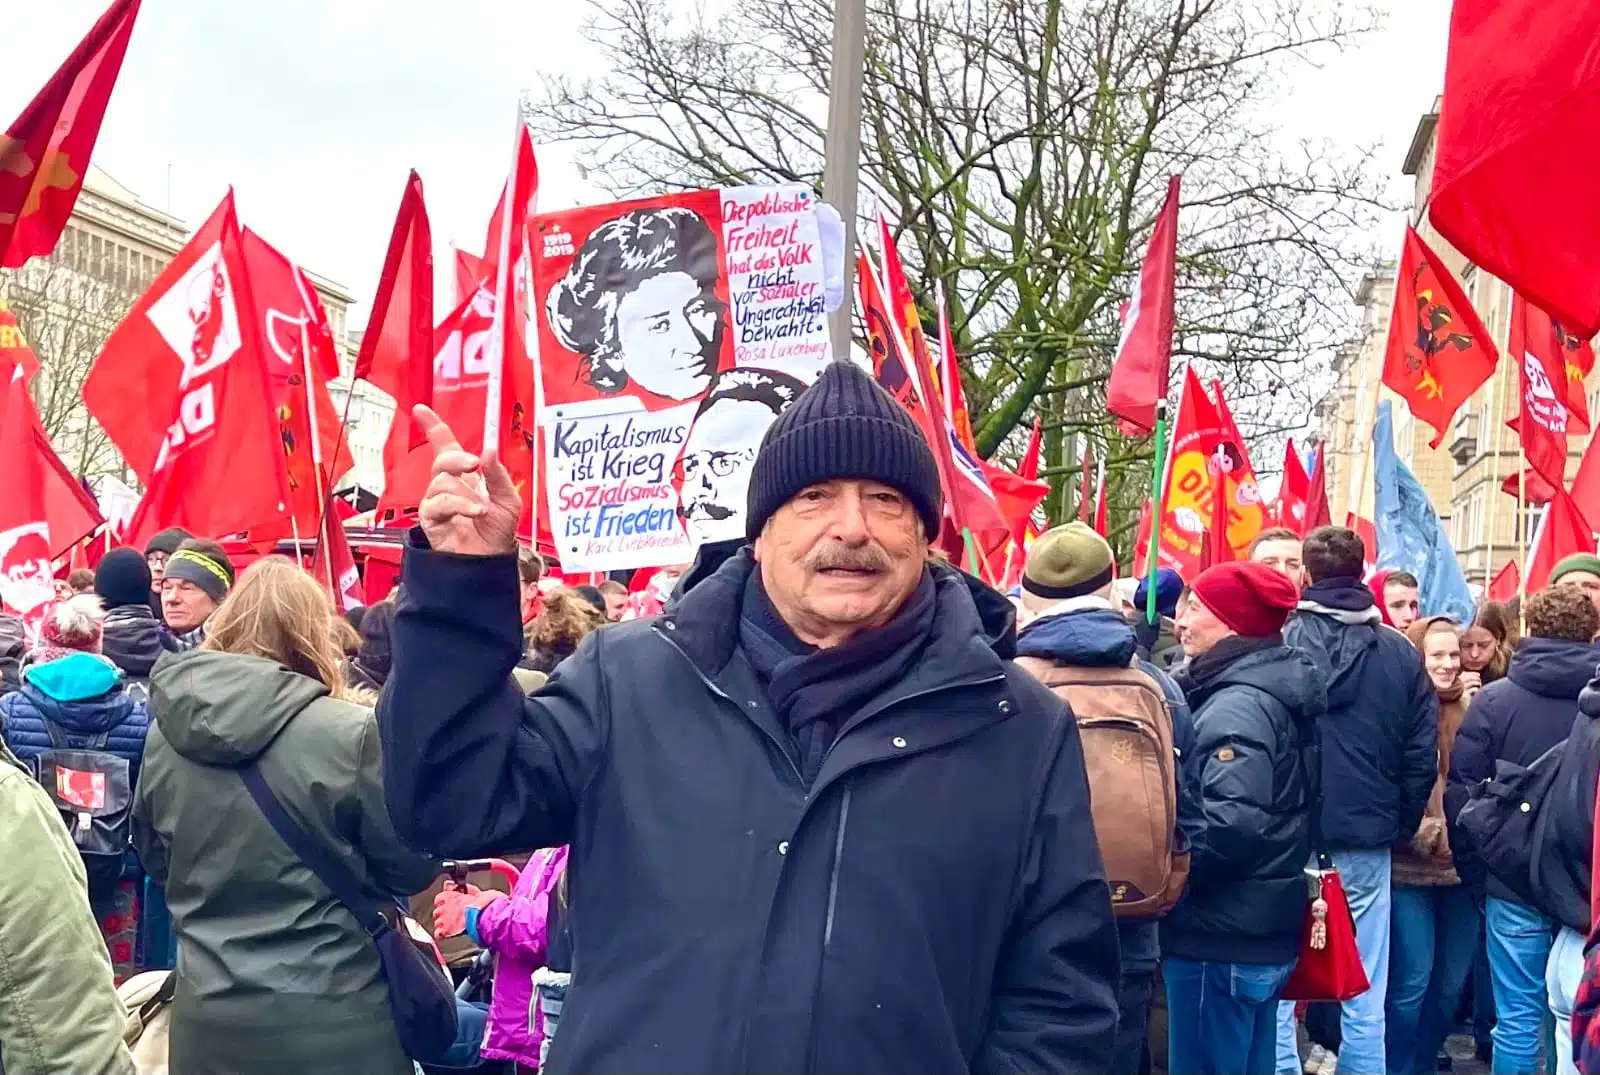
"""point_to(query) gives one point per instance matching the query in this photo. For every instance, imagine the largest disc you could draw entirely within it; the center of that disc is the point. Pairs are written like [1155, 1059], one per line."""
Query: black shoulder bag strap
[344, 884]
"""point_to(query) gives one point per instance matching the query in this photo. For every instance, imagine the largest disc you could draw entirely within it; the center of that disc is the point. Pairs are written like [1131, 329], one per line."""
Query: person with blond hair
[274, 974]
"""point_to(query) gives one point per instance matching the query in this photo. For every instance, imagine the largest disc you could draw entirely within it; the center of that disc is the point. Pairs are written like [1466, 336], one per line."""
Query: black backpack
[94, 795]
[1502, 820]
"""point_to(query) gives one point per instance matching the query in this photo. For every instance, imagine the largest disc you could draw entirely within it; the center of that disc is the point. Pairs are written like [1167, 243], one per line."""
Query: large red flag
[181, 387]
[14, 349]
[1438, 352]
[1506, 582]
[460, 379]
[1189, 505]
[1529, 485]
[44, 154]
[1541, 419]
[397, 348]
[1567, 359]
[1142, 367]
[1294, 491]
[1562, 532]
[27, 585]
[1021, 535]
[292, 319]
[1518, 145]
[509, 399]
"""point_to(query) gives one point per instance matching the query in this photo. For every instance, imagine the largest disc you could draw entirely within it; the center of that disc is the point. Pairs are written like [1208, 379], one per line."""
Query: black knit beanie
[123, 578]
[167, 541]
[844, 426]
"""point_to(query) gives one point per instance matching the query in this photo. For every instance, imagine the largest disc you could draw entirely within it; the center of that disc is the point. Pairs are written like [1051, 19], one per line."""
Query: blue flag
[1410, 536]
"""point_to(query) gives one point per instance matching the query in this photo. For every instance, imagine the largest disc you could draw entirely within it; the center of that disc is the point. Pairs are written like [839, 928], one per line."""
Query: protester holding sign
[770, 762]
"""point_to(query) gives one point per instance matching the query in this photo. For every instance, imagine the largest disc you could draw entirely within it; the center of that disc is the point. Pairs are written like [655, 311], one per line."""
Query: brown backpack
[1126, 730]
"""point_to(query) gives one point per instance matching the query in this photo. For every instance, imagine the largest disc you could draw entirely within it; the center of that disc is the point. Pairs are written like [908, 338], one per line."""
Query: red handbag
[1329, 967]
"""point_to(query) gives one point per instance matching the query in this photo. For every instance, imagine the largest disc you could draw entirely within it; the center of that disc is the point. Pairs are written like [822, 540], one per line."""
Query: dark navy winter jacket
[932, 902]
[1516, 719]
[1095, 637]
[1565, 841]
[1380, 736]
[84, 695]
[133, 640]
[1255, 722]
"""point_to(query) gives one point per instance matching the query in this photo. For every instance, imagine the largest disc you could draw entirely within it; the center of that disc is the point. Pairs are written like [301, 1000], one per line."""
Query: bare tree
[1022, 150]
[66, 317]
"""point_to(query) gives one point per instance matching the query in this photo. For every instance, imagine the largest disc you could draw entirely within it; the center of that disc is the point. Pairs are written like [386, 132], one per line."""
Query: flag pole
[1522, 530]
[503, 306]
[1157, 489]
[316, 455]
[1496, 415]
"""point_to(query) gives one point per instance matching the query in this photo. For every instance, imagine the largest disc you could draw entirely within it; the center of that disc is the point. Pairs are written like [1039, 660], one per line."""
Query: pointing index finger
[433, 427]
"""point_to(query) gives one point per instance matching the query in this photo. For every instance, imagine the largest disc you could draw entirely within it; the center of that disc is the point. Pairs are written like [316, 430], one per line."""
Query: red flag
[1438, 352]
[1142, 367]
[27, 583]
[1536, 490]
[1586, 483]
[69, 509]
[968, 499]
[470, 272]
[44, 154]
[460, 371]
[1317, 513]
[1027, 470]
[1017, 497]
[1188, 505]
[955, 398]
[1294, 491]
[1565, 358]
[1541, 421]
[1141, 543]
[181, 388]
[14, 349]
[1083, 485]
[397, 348]
[1219, 550]
[1563, 532]
[1519, 139]
[1506, 583]
[333, 560]
[508, 402]
[292, 317]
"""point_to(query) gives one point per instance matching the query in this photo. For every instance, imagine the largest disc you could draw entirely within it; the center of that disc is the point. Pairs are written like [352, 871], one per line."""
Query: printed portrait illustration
[639, 305]
[721, 448]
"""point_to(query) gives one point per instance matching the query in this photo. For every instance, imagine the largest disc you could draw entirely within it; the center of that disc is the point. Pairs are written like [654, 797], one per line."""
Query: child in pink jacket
[515, 929]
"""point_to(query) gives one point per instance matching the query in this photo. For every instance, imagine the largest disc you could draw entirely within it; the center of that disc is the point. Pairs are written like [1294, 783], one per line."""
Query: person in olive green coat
[274, 974]
[59, 1012]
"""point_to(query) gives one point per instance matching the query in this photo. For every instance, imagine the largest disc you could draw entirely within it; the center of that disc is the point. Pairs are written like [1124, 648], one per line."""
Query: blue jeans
[1365, 875]
[1519, 948]
[1221, 1016]
[1433, 938]
[1562, 975]
[471, 1020]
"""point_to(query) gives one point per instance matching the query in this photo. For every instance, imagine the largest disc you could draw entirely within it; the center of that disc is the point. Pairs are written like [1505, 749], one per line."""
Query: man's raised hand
[471, 508]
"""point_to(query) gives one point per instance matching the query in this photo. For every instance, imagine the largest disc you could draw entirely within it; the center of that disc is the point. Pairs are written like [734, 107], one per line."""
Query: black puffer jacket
[132, 640]
[1255, 727]
[932, 902]
[1565, 840]
[1380, 738]
[1516, 719]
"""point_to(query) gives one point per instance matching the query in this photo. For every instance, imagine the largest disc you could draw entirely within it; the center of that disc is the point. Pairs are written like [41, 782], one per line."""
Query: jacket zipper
[720, 693]
[838, 855]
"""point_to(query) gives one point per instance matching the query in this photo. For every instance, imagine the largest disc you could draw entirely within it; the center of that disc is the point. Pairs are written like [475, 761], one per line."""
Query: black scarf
[1206, 667]
[816, 690]
[1346, 595]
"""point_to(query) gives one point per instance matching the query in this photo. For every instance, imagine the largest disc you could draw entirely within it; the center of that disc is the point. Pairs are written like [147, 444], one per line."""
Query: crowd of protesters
[837, 806]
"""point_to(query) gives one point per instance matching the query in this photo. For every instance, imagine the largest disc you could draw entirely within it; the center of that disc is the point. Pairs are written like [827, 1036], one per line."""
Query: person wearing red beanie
[1231, 942]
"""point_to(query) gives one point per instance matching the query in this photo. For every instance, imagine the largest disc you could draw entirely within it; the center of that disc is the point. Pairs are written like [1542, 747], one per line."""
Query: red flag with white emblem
[27, 584]
[1541, 420]
[181, 387]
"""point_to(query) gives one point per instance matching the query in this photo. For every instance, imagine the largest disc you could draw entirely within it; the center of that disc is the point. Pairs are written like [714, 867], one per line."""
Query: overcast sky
[314, 109]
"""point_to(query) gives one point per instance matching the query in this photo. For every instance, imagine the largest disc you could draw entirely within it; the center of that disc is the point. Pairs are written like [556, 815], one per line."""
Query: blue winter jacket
[84, 695]
[1097, 637]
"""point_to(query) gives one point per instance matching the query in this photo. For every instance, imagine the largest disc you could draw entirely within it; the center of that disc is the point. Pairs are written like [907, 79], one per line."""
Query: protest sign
[672, 331]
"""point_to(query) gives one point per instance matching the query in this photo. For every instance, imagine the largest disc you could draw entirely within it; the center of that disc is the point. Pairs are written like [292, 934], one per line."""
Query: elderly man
[818, 820]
